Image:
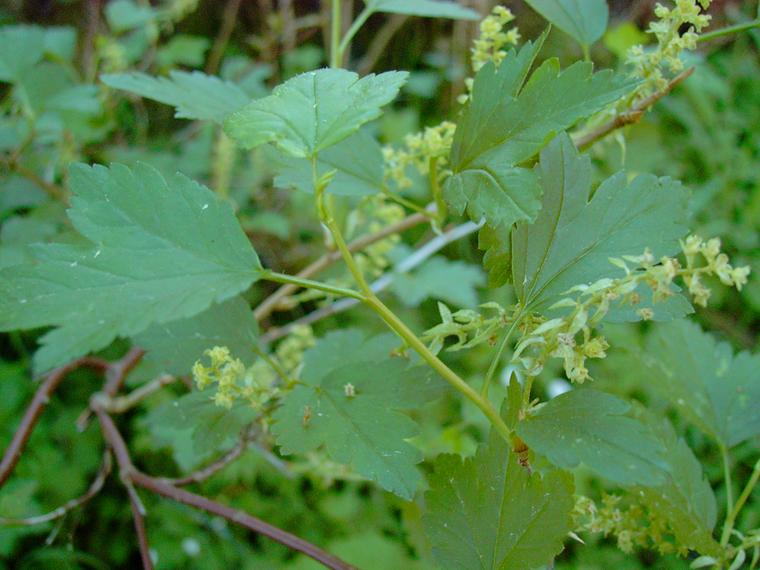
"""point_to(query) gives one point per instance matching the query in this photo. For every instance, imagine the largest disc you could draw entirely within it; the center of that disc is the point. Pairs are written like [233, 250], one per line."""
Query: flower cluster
[434, 143]
[571, 336]
[715, 263]
[649, 64]
[470, 328]
[490, 44]
[261, 382]
[632, 526]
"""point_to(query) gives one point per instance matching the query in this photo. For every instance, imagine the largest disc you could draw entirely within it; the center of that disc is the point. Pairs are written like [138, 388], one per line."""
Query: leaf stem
[438, 365]
[355, 27]
[729, 493]
[497, 357]
[435, 191]
[729, 30]
[336, 55]
[310, 284]
[396, 324]
[734, 512]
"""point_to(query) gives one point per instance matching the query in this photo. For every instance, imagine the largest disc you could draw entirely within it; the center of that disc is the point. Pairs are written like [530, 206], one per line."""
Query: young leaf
[508, 121]
[587, 426]
[426, 8]
[704, 380]
[314, 110]
[349, 401]
[357, 162]
[195, 95]
[686, 499]
[153, 251]
[489, 512]
[584, 20]
[173, 347]
[572, 239]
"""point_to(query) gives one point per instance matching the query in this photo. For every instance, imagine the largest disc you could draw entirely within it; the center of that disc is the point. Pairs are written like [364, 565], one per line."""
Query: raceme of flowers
[649, 64]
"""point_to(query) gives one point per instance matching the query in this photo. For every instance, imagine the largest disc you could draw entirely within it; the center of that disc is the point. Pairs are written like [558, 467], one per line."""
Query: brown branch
[202, 474]
[52, 190]
[121, 404]
[241, 518]
[36, 407]
[138, 517]
[68, 506]
[271, 303]
[116, 374]
[131, 475]
[632, 115]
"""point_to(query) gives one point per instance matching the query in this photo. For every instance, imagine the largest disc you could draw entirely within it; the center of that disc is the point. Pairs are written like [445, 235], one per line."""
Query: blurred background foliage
[707, 133]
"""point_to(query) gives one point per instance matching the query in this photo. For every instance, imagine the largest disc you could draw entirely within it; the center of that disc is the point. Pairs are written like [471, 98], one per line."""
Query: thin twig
[414, 260]
[271, 303]
[52, 190]
[225, 31]
[163, 488]
[68, 506]
[121, 404]
[203, 474]
[116, 374]
[632, 115]
[36, 407]
[138, 517]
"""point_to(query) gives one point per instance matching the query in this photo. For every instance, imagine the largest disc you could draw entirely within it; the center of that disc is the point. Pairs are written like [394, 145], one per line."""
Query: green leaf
[426, 8]
[587, 426]
[584, 20]
[125, 15]
[173, 347]
[572, 239]
[210, 428]
[705, 381]
[153, 251]
[195, 95]
[184, 49]
[20, 48]
[366, 430]
[314, 110]
[357, 162]
[489, 512]
[686, 500]
[497, 260]
[508, 121]
[439, 278]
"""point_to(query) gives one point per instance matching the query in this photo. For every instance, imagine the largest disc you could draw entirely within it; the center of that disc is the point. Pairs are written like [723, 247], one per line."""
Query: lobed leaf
[508, 121]
[572, 238]
[151, 251]
[313, 111]
[686, 499]
[587, 426]
[357, 162]
[362, 427]
[173, 347]
[489, 512]
[584, 20]
[705, 381]
[195, 95]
